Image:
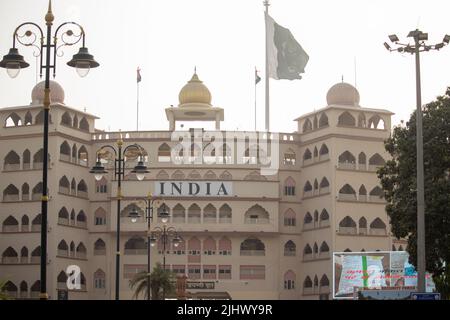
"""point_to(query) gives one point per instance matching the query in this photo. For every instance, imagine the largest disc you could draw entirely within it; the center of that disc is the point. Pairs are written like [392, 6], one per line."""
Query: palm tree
[3, 294]
[160, 281]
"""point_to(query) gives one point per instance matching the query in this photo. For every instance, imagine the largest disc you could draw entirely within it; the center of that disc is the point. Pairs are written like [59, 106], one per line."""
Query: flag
[257, 78]
[138, 75]
[285, 55]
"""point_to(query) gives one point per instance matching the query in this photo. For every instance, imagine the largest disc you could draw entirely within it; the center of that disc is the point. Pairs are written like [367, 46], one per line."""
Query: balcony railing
[347, 165]
[11, 167]
[64, 190]
[289, 253]
[64, 157]
[256, 221]
[324, 223]
[347, 230]
[324, 190]
[11, 197]
[178, 220]
[99, 252]
[253, 253]
[376, 199]
[225, 220]
[82, 194]
[10, 260]
[378, 231]
[209, 220]
[64, 221]
[308, 291]
[194, 219]
[36, 196]
[13, 228]
[324, 157]
[347, 196]
[135, 252]
[63, 253]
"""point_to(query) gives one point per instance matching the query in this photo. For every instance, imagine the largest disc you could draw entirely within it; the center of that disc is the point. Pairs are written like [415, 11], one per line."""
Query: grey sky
[225, 40]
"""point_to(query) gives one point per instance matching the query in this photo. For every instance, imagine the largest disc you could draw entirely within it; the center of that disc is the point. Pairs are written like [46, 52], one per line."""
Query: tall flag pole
[257, 80]
[267, 4]
[138, 80]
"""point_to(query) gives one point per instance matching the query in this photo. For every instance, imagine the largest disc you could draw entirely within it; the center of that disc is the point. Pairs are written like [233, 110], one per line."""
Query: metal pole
[149, 215]
[164, 257]
[119, 197]
[421, 262]
[44, 200]
[266, 4]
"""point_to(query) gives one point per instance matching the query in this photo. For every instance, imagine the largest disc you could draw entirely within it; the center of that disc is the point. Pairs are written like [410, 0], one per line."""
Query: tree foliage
[160, 281]
[398, 178]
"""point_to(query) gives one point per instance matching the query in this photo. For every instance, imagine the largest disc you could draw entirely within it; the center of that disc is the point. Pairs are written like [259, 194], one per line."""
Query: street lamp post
[134, 215]
[119, 173]
[419, 46]
[13, 62]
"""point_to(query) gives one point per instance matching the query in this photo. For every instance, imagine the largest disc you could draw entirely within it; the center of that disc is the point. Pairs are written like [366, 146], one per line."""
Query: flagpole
[267, 4]
[137, 108]
[255, 98]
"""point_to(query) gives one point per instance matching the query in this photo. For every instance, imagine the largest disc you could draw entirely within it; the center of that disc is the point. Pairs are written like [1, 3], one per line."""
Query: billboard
[378, 270]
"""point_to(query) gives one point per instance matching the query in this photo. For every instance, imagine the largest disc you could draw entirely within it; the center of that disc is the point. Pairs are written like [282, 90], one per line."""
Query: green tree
[160, 281]
[398, 179]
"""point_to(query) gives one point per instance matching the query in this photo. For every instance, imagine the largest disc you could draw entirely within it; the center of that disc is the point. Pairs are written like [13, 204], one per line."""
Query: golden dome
[194, 92]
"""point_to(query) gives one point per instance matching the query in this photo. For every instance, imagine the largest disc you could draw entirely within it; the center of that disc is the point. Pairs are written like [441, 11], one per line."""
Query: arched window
[323, 152]
[36, 223]
[256, 215]
[26, 159]
[39, 119]
[307, 190]
[25, 223]
[13, 120]
[290, 219]
[28, 119]
[74, 153]
[347, 161]
[23, 290]
[307, 156]
[289, 158]
[10, 289]
[290, 248]
[316, 216]
[24, 255]
[362, 225]
[66, 119]
[135, 246]
[289, 280]
[209, 246]
[324, 186]
[64, 185]
[307, 221]
[35, 289]
[61, 280]
[81, 251]
[225, 246]
[316, 282]
[376, 122]
[377, 194]
[64, 152]
[307, 252]
[84, 124]
[63, 216]
[83, 157]
[315, 249]
[10, 256]
[324, 282]
[36, 193]
[194, 214]
[194, 246]
[209, 214]
[362, 161]
[10, 224]
[73, 187]
[63, 249]
[38, 159]
[11, 193]
[323, 120]
[11, 162]
[289, 187]
[378, 227]
[36, 255]
[82, 190]
[225, 214]
[99, 248]
[81, 219]
[307, 284]
[347, 193]
[179, 214]
[347, 226]
[376, 161]
[362, 193]
[100, 217]
[307, 126]
[324, 218]
[324, 249]
[252, 247]
[346, 119]
[99, 279]
[72, 249]
[316, 186]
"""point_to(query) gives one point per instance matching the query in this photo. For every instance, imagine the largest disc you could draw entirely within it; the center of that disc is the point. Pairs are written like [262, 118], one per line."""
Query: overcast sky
[225, 40]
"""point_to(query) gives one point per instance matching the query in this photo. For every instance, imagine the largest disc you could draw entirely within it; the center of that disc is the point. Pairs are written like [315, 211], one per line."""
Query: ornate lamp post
[418, 46]
[119, 173]
[13, 62]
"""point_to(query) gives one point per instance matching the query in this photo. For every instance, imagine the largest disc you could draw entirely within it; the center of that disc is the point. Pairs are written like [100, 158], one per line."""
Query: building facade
[264, 237]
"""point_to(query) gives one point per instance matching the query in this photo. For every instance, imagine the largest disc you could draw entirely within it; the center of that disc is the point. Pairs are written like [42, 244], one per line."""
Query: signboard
[63, 294]
[380, 270]
[193, 188]
[425, 296]
[198, 285]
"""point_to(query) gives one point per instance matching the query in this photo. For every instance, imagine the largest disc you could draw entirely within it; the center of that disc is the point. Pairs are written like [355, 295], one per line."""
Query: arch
[23, 289]
[194, 174]
[84, 124]
[63, 248]
[35, 288]
[179, 214]
[323, 120]
[226, 175]
[194, 246]
[61, 279]
[209, 246]
[307, 189]
[163, 175]
[64, 185]
[210, 175]
[290, 248]
[164, 153]
[316, 281]
[307, 249]
[400, 248]
[74, 152]
[25, 223]
[28, 119]
[225, 246]
[362, 161]
[376, 160]
[347, 250]
[36, 255]
[324, 282]
[99, 279]
[81, 251]
[10, 256]
[289, 280]
[315, 122]
[63, 216]
[252, 247]
[347, 160]
[316, 216]
[377, 194]
[81, 219]
[377, 224]
[72, 248]
[36, 193]
[307, 283]
[376, 122]
[131, 207]
[324, 248]
[307, 126]
[38, 159]
[362, 190]
[308, 218]
[39, 119]
[346, 119]
[64, 151]
[257, 215]
[66, 119]
[289, 157]
[347, 226]
[315, 248]
[178, 175]
[290, 218]
[26, 159]
[11, 193]
[347, 193]
[10, 289]
[289, 186]
[307, 155]
[82, 188]
[362, 120]
[209, 214]
[73, 187]
[83, 156]
[324, 185]
[324, 216]
[11, 161]
[10, 224]
[100, 217]
[362, 223]
[194, 213]
[13, 120]
[99, 247]
[316, 185]
[323, 150]
[225, 214]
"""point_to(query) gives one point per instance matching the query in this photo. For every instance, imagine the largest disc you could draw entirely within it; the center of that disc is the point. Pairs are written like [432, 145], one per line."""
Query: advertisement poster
[374, 270]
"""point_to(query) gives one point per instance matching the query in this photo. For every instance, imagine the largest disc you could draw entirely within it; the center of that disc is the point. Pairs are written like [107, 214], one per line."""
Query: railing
[377, 231]
[64, 221]
[257, 220]
[362, 167]
[307, 194]
[308, 256]
[324, 190]
[347, 165]
[11, 197]
[82, 194]
[209, 220]
[289, 253]
[11, 167]
[362, 231]
[347, 196]
[135, 251]
[9, 260]
[64, 190]
[178, 220]
[38, 165]
[308, 291]
[347, 230]
[307, 162]
[374, 167]
[81, 255]
[64, 157]
[82, 224]
[23, 295]
[24, 228]
[324, 289]
[253, 253]
[25, 197]
[362, 198]
[324, 157]
[376, 199]
[195, 219]
[324, 223]
[63, 253]
[34, 294]
[24, 260]
[224, 219]
[26, 166]
[99, 252]
[324, 255]
[13, 228]
[308, 226]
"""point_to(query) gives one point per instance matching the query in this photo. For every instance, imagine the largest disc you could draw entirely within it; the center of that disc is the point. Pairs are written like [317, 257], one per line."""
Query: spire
[49, 17]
